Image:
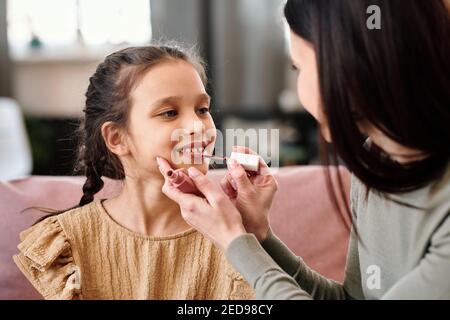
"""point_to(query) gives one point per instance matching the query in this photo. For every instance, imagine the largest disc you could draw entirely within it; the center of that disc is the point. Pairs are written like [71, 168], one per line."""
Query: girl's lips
[192, 157]
[194, 145]
[195, 157]
[192, 153]
[196, 148]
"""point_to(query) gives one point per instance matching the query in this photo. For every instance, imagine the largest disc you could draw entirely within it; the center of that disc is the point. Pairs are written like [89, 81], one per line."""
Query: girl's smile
[192, 152]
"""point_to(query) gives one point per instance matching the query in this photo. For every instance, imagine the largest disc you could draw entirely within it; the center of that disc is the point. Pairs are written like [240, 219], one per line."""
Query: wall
[5, 70]
[52, 88]
[53, 85]
[249, 53]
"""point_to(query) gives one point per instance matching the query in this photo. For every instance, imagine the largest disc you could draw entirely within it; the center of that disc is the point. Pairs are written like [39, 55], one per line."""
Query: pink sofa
[302, 216]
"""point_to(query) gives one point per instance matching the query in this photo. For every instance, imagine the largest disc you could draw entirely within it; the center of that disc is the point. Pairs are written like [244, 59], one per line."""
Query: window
[57, 23]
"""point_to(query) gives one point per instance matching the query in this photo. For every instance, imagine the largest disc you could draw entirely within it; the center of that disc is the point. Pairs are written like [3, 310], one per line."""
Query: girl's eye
[169, 114]
[203, 110]
[295, 68]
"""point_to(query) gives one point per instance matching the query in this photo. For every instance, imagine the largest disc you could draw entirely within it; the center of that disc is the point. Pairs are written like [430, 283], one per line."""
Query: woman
[382, 99]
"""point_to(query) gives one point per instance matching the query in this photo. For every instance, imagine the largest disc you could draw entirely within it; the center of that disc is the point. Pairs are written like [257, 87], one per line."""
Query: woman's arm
[247, 255]
[280, 274]
[317, 286]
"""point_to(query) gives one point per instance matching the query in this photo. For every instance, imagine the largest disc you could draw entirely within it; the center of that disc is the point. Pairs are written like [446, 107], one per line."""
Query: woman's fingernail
[158, 160]
[232, 163]
[193, 172]
[233, 184]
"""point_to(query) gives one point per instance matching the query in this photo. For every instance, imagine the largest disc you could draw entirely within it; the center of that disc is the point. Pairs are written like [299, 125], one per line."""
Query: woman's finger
[212, 192]
[239, 175]
[227, 186]
[230, 181]
[176, 195]
[163, 165]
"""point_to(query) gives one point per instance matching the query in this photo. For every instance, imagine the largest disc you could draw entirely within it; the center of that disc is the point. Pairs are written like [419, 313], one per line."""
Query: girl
[135, 245]
[382, 99]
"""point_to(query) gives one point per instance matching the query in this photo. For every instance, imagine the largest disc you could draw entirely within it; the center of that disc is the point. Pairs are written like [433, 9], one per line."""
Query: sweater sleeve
[291, 278]
[45, 258]
[318, 286]
[277, 273]
[247, 255]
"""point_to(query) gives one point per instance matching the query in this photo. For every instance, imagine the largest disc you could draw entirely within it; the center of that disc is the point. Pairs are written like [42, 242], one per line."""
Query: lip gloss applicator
[181, 180]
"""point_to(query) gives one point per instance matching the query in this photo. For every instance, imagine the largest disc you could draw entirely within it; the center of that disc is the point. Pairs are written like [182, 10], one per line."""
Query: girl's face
[170, 116]
[304, 60]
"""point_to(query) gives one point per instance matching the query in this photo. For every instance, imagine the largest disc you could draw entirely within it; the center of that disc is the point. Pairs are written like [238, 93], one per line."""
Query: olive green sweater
[404, 253]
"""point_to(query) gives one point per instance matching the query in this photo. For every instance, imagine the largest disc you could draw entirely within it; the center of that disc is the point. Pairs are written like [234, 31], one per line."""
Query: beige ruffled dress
[84, 254]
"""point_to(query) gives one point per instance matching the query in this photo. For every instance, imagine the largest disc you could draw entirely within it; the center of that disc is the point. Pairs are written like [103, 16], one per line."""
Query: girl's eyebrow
[177, 99]
[171, 99]
[204, 97]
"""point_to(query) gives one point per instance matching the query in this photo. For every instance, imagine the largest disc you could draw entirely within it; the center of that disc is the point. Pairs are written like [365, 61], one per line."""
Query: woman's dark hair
[395, 78]
[108, 99]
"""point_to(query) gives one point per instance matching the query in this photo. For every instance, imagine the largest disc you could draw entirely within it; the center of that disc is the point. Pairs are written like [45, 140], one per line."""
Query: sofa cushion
[302, 216]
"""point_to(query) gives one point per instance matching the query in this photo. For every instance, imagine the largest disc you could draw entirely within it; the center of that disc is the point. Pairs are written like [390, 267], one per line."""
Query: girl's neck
[144, 209]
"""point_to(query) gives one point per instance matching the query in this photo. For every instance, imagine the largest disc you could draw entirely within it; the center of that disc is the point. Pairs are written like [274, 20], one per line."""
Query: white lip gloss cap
[249, 162]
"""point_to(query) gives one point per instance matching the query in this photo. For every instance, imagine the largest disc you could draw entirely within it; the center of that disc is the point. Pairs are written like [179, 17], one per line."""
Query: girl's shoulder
[57, 224]
[79, 216]
[45, 253]
[45, 258]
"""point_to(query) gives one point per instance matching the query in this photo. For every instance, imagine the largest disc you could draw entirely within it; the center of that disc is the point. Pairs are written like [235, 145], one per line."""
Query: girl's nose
[197, 128]
[194, 125]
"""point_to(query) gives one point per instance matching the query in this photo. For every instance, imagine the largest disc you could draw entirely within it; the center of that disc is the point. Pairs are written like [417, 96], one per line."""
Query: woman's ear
[114, 138]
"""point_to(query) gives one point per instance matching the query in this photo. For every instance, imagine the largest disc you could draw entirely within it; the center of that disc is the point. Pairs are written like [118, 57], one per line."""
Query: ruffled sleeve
[45, 258]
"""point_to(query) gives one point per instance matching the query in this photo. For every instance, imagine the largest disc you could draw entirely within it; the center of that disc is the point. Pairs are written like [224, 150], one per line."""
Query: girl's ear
[114, 138]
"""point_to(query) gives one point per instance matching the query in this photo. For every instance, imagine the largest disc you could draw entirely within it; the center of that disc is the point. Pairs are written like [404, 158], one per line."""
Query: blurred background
[49, 49]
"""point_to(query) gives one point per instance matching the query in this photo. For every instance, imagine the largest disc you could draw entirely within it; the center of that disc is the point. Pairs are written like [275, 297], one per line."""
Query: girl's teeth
[192, 150]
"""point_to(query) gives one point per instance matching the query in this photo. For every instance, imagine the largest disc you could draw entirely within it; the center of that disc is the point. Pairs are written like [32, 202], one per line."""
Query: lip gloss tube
[249, 162]
[179, 179]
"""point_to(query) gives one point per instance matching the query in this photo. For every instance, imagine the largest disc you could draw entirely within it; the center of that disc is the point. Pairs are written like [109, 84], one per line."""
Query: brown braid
[93, 183]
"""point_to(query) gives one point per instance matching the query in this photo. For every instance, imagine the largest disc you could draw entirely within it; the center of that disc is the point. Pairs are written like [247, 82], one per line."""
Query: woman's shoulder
[434, 197]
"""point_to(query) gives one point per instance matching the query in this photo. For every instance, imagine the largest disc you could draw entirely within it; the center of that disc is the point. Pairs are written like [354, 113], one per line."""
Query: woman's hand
[252, 195]
[216, 216]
